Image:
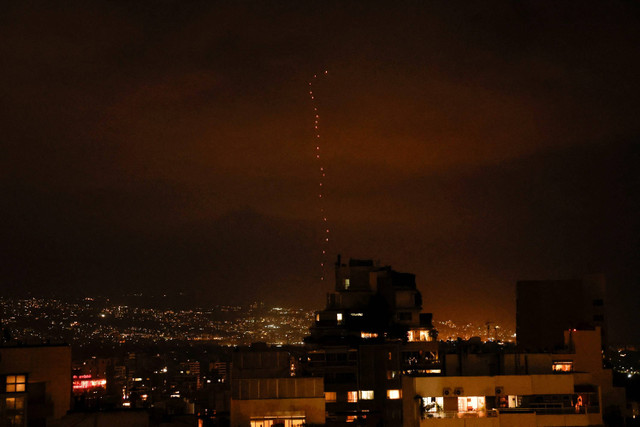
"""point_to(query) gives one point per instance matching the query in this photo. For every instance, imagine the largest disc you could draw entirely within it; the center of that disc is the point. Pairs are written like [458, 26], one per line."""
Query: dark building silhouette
[370, 335]
[546, 308]
[35, 384]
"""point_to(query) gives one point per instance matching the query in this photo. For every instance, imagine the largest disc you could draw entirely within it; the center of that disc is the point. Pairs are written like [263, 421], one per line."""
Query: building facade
[35, 384]
[371, 333]
[485, 385]
[268, 390]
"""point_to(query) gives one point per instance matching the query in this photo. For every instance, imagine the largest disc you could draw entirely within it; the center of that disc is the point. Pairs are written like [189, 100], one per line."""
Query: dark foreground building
[371, 333]
[381, 365]
[35, 384]
[546, 308]
[486, 384]
[268, 390]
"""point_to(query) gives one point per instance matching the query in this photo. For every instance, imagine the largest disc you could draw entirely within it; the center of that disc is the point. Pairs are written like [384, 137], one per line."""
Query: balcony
[420, 366]
[552, 410]
[456, 414]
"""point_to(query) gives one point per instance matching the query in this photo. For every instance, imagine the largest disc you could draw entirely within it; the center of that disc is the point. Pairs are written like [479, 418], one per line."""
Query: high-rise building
[371, 333]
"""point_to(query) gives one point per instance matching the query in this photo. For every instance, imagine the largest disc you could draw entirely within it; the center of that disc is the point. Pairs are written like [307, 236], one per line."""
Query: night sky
[169, 146]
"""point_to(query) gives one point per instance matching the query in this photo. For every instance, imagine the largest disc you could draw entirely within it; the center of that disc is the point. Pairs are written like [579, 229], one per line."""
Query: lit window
[352, 396]
[14, 411]
[471, 404]
[347, 283]
[367, 335]
[284, 420]
[366, 394]
[14, 403]
[330, 396]
[339, 318]
[394, 394]
[351, 418]
[515, 401]
[433, 404]
[562, 366]
[418, 335]
[16, 383]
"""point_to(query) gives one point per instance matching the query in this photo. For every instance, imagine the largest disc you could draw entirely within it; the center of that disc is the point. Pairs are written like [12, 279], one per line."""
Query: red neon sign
[89, 384]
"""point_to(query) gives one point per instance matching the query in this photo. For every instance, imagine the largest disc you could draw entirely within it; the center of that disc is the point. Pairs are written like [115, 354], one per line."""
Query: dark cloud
[169, 145]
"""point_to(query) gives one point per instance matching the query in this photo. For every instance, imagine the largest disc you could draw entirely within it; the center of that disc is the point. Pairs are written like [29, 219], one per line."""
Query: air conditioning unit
[458, 391]
[499, 390]
[446, 392]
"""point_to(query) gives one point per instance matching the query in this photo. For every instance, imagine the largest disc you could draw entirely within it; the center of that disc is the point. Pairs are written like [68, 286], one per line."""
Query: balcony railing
[456, 414]
[423, 367]
[551, 410]
[496, 412]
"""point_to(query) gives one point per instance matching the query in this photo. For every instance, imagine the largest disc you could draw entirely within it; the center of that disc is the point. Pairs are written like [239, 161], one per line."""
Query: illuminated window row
[354, 396]
[562, 366]
[368, 335]
[285, 421]
[465, 404]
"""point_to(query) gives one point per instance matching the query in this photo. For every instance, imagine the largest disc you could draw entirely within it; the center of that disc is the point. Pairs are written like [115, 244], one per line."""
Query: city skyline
[170, 147]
